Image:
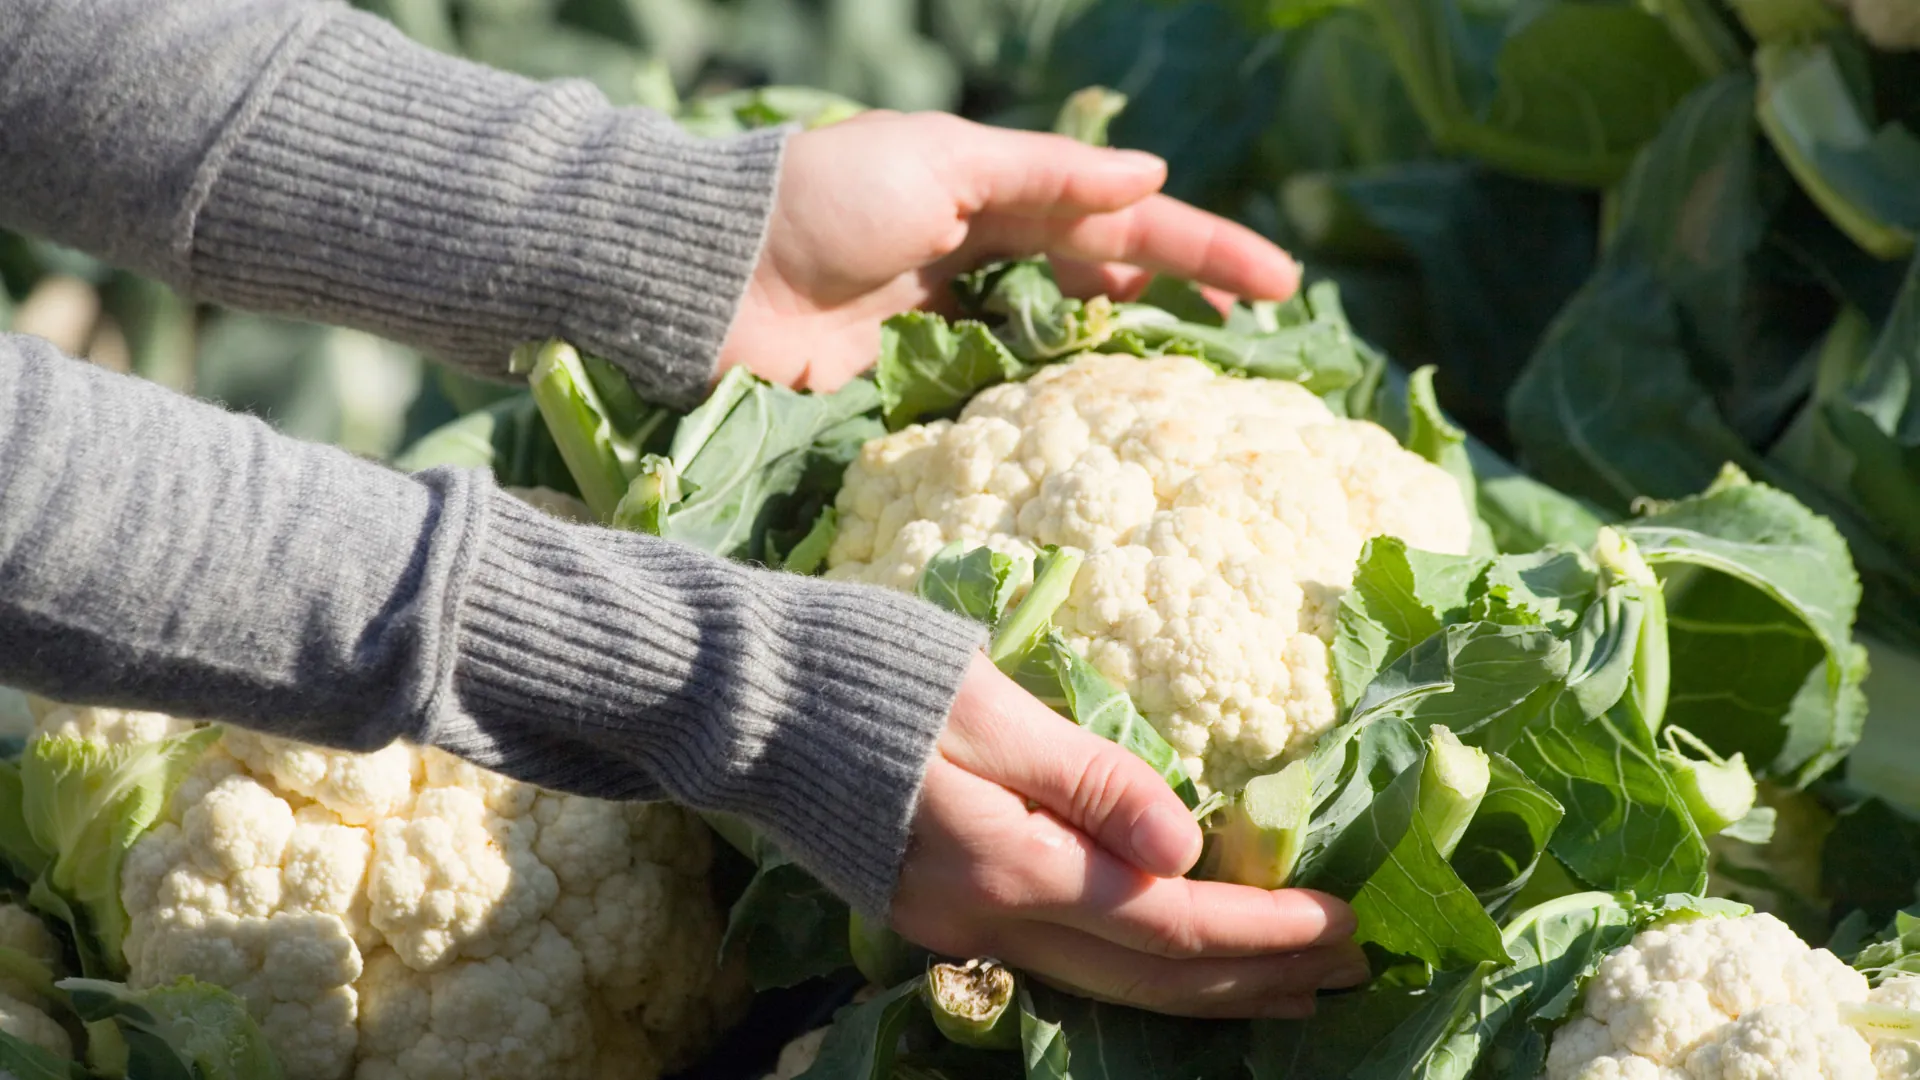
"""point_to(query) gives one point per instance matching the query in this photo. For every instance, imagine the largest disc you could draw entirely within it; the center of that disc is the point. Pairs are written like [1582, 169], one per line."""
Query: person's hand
[1051, 849]
[874, 216]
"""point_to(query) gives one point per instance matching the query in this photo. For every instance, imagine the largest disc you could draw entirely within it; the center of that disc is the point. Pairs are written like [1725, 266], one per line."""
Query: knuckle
[1098, 789]
[1176, 936]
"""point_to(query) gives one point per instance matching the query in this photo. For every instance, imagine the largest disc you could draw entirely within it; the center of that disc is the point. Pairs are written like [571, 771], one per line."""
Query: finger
[1158, 233]
[1032, 173]
[1279, 986]
[1008, 859]
[999, 732]
[1178, 918]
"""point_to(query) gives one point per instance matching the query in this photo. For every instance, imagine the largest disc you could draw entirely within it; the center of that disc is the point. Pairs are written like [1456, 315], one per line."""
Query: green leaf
[1626, 826]
[1508, 836]
[1553, 948]
[756, 457]
[1766, 603]
[1494, 674]
[1411, 903]
[864, 1038]
[87, 803]
[975, 582]
[1096, 704]
[506, 437]
[1550, 588]
[1573, 91]
[186, 1030]
[786, 925]
[929, 368]
[1030, 314]
[1399, 597]
[1066, 1037]
[1306, 340]
[1609, 407]
[1861, 178]
[1431, 435]
[22, 1060]
[810, 553]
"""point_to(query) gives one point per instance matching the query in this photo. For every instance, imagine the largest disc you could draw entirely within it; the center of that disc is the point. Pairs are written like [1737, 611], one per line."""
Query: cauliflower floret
[1220, 520]
[28, 1023]
[406, 915]
[1717, 999]
[102, 725]
[1894, 1058]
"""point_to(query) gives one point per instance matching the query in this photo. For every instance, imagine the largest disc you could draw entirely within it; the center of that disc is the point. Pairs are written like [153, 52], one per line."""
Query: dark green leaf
[1575, 90]
[1066, 1037]
[864, 1039]
[786, 925]
[1508, 835]
[1871, 860]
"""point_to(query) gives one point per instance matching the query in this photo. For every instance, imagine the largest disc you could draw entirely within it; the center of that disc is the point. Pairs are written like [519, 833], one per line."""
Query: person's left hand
[874, 215]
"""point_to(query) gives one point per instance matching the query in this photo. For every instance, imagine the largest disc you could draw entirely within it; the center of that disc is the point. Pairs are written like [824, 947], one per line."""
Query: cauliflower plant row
[1221, 519]
[403, 915]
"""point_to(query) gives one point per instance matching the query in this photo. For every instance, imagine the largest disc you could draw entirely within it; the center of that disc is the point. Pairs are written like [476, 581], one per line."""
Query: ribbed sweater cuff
[808, 708]
[379, 184]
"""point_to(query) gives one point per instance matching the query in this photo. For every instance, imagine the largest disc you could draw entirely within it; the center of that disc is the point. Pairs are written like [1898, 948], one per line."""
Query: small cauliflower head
[404, 915]
[1220, 518]
[1723, 999]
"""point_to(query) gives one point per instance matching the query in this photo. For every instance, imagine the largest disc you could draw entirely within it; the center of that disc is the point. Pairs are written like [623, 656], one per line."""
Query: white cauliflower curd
[1220, 518]
[403, 915]
[22, 1014]
[1730, 999]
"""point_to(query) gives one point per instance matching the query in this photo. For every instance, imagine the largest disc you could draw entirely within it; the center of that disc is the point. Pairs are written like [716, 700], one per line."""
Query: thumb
[999, 732]
[1038, 175]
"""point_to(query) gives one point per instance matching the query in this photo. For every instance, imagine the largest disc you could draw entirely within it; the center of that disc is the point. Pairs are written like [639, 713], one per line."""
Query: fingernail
[1288, 1009]
[1344, 976]
[1162, 841]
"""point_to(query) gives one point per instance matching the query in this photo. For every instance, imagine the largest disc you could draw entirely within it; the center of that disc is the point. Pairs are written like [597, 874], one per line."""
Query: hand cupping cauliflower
[1220, 518]
[403, 915]
[1731, 999]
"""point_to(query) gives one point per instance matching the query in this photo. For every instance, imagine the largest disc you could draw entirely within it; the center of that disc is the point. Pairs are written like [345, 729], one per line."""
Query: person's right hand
[1044, 846]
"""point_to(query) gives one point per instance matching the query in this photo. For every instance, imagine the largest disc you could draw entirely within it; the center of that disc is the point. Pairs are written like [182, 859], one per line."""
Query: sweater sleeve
[160, 553]
[301, 158]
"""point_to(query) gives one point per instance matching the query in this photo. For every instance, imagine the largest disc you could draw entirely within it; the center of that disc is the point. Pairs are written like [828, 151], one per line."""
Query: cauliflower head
[404, 915]
[1220, 517]
[1727, 999]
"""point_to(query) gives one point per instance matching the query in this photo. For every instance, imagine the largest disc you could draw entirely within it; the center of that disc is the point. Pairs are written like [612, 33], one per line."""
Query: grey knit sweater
[295, 156]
